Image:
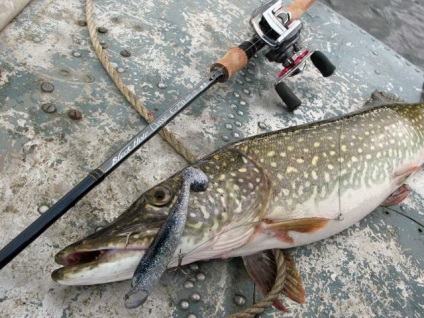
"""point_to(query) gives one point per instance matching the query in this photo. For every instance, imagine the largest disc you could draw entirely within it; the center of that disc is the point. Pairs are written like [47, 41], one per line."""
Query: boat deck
[373, 269]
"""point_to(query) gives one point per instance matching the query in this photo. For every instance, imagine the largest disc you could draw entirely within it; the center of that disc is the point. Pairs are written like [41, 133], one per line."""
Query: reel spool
[275, 27]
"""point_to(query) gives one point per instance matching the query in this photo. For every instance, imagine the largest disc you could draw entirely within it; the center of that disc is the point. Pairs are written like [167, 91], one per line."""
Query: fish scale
[276, 190]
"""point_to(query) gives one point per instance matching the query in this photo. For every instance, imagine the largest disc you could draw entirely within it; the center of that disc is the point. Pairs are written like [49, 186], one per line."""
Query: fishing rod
[276, 27]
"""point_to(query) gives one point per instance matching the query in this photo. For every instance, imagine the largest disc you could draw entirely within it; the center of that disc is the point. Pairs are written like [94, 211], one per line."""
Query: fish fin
[398, 196]
[262, 269]
[404, 173]
[306, 225]
[293, 287]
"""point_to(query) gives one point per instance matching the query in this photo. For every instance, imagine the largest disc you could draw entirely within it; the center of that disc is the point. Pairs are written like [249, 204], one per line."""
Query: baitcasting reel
[275, 27]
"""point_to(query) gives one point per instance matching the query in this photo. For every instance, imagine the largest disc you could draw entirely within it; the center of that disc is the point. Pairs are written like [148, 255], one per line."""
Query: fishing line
[341, 156]
[405, 215]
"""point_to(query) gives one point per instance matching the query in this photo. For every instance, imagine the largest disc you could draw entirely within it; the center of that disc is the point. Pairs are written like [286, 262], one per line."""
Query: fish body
[276, 190]
[155, 261]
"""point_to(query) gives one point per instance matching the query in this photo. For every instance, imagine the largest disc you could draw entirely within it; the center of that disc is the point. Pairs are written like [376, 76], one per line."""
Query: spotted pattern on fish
[236, 185]
[276, 190]
[312, 161]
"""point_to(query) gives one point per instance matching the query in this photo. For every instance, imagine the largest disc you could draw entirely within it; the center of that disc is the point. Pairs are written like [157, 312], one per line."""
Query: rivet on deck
[48, 108]
[200, 276]
[125, 53]
[64, 72]
[195, 297]
[42, 209]
[239, 300]
[74, 114]
[262, 125]
[184, 304]
[76, 54]
[102, 30]
[188, 284]
[88, 78]
[47, 87]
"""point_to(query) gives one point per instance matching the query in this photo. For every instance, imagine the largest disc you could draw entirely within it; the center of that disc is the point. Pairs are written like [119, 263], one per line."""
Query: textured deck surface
[373, 269]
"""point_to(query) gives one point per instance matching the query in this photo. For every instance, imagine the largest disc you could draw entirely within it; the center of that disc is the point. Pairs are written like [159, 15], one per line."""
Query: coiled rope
[267, 301]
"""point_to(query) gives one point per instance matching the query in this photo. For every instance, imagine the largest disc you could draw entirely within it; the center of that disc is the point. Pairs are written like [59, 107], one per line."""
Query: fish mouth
[112, 253]
[91, 266]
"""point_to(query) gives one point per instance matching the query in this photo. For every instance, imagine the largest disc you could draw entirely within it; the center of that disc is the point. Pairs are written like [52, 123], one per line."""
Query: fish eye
[160, 196]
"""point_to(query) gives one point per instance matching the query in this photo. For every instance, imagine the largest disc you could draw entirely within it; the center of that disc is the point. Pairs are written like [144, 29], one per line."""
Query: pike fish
[276, 190]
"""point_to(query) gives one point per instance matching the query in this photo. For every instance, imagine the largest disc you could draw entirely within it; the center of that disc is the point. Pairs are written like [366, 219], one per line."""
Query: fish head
[112, 253]
[219, 220]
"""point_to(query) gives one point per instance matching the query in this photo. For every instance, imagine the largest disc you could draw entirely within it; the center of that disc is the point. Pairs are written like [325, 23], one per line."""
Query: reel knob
[322, 63]
[287, 96]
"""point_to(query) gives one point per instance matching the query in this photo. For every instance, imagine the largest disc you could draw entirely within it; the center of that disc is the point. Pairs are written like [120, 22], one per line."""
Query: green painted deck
[373, 269]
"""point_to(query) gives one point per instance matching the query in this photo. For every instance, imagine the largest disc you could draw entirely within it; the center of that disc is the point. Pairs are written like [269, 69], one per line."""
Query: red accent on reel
[294, 64]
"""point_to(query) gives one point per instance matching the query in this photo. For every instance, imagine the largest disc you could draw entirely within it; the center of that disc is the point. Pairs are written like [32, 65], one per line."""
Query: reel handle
[322, 63]
[288, 97]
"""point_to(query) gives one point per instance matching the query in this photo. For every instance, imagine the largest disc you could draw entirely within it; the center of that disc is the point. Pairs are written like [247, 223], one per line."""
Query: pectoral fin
[262, 270]
[405, 172]
[307, 225]
[398, 196]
